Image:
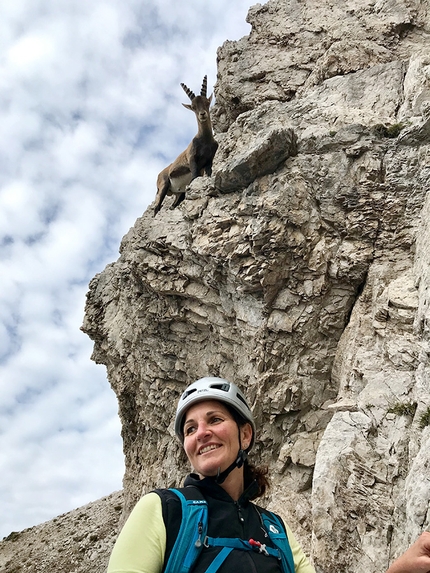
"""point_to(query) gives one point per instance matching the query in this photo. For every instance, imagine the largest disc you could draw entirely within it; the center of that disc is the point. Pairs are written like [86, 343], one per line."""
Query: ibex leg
[163, 186]
[178, 200]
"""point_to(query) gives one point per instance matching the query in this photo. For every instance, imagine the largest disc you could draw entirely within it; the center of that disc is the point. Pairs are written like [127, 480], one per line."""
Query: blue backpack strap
[192, 536]
[242, 544]
[192, 532]
[219, 560]
[278, 535]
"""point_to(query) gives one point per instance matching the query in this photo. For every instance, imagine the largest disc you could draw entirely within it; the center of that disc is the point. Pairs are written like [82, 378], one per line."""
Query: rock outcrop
[300, 270]
[77, 542]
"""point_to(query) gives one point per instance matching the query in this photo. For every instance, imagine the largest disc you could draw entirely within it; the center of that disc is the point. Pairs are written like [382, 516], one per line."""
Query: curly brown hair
[252, 472]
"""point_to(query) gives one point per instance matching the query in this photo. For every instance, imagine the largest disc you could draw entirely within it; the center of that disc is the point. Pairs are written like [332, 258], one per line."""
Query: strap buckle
[260, 547]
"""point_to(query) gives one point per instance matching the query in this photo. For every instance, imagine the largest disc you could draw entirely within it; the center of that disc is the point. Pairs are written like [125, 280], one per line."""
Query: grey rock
[300, 270]
[78, 541]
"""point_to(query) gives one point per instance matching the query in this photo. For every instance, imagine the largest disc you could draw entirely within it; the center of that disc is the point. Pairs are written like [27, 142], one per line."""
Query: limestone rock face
[296, 45]
[300, 270]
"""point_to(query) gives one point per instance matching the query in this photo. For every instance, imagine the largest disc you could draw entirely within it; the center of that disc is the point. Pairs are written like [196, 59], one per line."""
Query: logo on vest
[273, 529]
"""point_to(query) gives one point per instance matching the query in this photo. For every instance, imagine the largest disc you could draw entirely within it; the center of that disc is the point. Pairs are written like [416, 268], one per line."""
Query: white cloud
[90, 108]
[30, 51]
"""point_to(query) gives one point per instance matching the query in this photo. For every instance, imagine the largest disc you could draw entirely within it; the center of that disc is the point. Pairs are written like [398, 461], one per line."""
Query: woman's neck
[234, 483]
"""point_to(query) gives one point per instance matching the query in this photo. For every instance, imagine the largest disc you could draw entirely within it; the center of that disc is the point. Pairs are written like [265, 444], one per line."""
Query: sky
[90, 112]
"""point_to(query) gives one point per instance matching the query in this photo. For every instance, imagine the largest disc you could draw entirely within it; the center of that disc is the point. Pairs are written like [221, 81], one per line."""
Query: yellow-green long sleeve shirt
[141, 545]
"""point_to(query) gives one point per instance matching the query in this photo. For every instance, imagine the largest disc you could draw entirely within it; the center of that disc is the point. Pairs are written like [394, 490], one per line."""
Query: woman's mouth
[206, 449]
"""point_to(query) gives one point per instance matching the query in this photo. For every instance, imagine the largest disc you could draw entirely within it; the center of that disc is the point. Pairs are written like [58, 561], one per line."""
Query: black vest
[227, 518]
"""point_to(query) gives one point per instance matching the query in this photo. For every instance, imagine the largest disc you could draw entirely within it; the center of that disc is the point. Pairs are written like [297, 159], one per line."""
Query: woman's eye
[189, 430]
[215, 420]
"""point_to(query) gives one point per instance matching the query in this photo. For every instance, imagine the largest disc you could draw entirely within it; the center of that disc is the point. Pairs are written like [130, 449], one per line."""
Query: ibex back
[196, 159]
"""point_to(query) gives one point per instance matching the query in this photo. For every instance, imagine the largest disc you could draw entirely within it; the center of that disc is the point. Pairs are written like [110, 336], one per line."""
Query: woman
[217, 430]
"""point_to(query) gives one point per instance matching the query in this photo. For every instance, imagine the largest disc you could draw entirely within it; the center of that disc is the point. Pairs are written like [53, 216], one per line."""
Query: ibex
[196, 159]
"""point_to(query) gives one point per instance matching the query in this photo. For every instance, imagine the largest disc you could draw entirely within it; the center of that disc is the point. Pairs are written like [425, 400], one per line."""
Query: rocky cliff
[77, 542]
[296, 272]
[300, 270]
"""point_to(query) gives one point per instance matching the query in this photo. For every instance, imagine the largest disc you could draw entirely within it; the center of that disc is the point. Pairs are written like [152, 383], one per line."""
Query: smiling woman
[216, 427]
[214, 442]
[211, 525]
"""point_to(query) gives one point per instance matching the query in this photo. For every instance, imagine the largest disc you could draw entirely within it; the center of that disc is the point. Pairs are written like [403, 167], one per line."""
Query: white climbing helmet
[212, 388]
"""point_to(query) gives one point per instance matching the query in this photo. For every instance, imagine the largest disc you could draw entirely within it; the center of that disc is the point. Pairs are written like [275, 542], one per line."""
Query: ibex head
[199, 104]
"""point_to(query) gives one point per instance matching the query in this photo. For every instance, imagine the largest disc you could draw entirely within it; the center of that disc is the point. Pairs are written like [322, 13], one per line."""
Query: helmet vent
[242, 399]
[223, 387]
[186, 394]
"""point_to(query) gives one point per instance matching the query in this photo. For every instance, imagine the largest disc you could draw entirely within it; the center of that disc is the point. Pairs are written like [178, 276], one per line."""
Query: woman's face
[211, 437]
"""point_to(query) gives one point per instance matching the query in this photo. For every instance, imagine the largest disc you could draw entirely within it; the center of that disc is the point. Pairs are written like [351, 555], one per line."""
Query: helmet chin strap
[238, 463]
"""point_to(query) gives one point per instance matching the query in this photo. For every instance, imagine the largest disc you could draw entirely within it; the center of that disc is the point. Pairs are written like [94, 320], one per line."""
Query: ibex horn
[189, 93]
[204, 87]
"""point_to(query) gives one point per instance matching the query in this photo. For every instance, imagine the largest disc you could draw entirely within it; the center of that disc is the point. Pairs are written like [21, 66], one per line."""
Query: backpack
[192, 536]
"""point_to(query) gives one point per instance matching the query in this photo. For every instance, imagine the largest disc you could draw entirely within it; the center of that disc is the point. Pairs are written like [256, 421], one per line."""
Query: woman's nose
[202, 431]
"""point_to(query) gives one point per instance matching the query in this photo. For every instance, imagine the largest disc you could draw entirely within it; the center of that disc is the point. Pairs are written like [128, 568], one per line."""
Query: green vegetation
[404, 409]
[425, 419]
[390, 131]
[409, 409]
